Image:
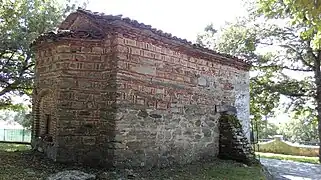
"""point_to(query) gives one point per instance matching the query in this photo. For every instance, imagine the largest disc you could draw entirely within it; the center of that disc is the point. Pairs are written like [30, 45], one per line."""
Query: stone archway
[45, 116]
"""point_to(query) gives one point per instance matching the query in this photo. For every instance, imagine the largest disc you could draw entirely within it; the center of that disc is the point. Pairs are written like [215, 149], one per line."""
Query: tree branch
[310, 50]
[286, 67]
[275, 88]
[299, 54]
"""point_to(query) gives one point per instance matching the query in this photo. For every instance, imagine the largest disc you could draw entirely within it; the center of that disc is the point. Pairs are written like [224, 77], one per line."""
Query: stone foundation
[48, 148]
[155, 138]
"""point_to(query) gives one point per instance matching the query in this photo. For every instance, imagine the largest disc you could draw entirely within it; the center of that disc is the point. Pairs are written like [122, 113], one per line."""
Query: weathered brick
[63, 48]
[97, 50]
[99, 89]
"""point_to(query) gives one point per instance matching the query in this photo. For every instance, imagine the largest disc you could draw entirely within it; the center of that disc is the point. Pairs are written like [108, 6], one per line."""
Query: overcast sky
[182, 18]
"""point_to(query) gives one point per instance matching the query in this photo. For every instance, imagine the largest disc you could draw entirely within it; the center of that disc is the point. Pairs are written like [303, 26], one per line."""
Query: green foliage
[286, 62]
[266, 130]
[21, 21]
[6, 115]
[301, 129]
[24, 118]
[305, 15]
[303, 12]
[6, 147]
[232, 119]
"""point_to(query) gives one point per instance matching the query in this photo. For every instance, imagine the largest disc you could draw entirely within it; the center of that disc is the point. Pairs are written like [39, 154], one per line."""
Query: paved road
[289, 170]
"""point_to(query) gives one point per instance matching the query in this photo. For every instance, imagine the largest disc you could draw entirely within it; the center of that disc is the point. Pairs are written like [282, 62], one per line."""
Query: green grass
[234, 173]
[18, 162]
[219, 170]
[8, 147]
[314, 160]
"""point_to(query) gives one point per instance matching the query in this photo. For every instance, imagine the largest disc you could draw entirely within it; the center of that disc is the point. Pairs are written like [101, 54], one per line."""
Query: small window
[37, 129]
[48, 122]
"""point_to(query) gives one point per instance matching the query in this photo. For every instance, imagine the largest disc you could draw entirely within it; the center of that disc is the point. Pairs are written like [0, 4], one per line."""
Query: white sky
[182, 18]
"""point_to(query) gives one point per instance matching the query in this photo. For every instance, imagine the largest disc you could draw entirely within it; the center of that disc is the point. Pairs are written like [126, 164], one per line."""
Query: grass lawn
[306, 159]
[7, 147]
[18, 162]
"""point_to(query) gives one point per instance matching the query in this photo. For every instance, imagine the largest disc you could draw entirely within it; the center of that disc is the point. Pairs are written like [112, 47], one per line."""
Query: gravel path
[289, 170]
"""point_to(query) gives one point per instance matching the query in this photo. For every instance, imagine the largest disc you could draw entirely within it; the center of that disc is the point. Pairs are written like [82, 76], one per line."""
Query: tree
[286, 63]
[6, 115]
[23, 117]
[21, 21]
[268, 130]
[300, 130]
[304, 14]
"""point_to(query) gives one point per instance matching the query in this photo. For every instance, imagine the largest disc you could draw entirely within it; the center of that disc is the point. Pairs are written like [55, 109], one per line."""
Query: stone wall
[168, 103]
[234, 144]
[279, 146]
[242, 99]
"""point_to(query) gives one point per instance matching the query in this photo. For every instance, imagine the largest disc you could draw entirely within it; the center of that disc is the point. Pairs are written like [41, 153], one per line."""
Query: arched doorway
[45, 116]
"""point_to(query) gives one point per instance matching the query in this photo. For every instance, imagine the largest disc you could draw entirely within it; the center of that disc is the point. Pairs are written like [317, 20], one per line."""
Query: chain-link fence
[15, 135]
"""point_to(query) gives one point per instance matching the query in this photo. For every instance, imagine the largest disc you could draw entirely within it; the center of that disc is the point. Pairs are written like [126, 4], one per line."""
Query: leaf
[290, 49]
[21, 22]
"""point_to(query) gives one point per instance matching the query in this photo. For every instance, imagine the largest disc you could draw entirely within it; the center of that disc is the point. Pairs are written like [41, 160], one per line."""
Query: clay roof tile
[164, 34]
[54, 35]
[103, 18]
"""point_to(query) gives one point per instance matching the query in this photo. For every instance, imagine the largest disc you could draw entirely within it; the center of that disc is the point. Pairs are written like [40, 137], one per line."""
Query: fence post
[4, 134]
[23, 135]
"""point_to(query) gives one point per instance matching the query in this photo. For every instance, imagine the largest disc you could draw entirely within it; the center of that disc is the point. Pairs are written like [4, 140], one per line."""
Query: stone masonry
[233, 144]
[114, 92]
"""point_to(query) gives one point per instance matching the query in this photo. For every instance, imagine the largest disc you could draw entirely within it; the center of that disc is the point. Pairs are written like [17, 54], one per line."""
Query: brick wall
[45, 90]
[167, 103]
[80, 77]
[131, 100]
[44, 101]
[86, 101]
[47, 118]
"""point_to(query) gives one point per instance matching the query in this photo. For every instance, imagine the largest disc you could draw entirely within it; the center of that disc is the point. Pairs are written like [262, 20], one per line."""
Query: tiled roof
[101, 18]
[67, 33]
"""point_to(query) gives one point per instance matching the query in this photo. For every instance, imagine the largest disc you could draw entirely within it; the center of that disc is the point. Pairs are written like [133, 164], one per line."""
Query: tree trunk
[318, 100]
[317, 76]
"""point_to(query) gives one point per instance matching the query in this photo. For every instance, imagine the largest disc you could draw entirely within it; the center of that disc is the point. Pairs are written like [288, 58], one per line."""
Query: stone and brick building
[112, 91]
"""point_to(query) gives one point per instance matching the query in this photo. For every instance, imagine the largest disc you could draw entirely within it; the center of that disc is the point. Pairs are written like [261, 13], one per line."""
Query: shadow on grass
[19, 162]
[217, 170]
